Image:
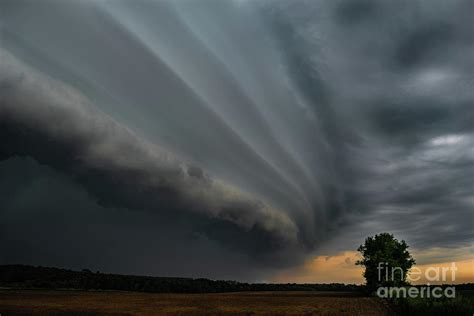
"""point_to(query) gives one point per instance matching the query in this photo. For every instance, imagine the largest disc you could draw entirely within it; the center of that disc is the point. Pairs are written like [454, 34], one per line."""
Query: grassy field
[462, 304]
[41, 302]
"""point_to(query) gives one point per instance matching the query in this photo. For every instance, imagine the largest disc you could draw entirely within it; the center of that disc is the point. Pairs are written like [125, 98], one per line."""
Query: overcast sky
[233, 139]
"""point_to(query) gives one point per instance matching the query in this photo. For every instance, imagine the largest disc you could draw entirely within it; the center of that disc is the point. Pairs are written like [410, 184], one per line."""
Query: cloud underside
[57, 126]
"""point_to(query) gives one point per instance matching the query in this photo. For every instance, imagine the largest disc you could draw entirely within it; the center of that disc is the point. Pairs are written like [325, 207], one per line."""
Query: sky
[248, 140]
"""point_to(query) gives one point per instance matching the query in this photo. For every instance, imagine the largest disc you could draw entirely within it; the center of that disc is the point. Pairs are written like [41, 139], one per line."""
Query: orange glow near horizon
[341, 268]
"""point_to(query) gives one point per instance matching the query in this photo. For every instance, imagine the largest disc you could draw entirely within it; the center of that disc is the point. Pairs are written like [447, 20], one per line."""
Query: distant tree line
[25, 276]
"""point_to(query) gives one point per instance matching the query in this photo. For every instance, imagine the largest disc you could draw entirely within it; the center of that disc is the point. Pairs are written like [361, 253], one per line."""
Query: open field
[43, 302]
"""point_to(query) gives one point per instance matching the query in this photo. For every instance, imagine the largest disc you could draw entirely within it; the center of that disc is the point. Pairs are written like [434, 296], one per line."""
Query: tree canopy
[386, 261]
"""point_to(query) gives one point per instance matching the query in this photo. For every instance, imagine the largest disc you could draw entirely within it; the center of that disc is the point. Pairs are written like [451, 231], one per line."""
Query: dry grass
[36, 302]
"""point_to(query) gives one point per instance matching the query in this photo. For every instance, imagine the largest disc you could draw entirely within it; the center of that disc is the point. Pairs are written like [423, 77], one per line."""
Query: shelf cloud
[202, 138]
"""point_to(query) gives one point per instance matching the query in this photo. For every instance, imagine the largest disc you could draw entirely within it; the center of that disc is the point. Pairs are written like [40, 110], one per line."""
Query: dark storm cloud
[112, 163]
[245, 133]
[49, 219]
[423, 44]
[398, 75]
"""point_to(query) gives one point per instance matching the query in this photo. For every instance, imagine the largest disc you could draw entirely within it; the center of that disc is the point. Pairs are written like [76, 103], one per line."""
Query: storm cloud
[202, 138]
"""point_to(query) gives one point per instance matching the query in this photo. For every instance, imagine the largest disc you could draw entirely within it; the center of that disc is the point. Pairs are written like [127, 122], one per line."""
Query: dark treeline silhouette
[25, 276]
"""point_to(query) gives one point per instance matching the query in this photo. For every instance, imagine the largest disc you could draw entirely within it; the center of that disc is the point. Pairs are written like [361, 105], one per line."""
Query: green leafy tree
[386, 261]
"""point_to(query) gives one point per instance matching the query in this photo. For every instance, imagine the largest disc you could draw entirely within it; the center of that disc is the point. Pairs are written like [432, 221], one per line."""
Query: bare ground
[42, 302]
